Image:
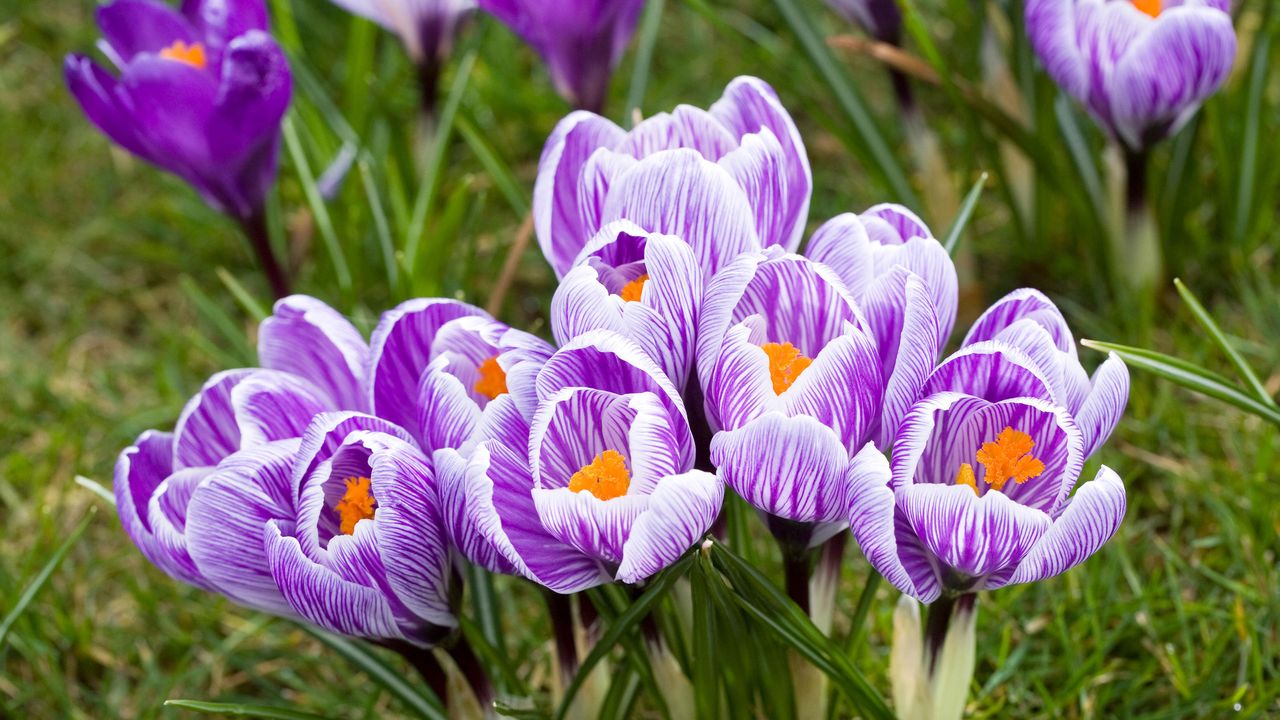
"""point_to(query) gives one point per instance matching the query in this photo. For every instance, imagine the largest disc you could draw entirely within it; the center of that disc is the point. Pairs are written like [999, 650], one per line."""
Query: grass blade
[96, 488]
[649, 26]
[1082, 155]
[494, 165]
[242, 296]
[423, 704]
[380, 225]
[966, 212]
[1249, 143]
[1207, 322]
[240, 710]
[38, 582]
[319, 211]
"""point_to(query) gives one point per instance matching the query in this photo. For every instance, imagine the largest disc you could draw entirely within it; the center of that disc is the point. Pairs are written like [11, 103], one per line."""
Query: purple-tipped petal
[972, 536]
[992, 371]
[1089, 520]
[681, 510]
[207, 430]
[272, 406]
[1024, 304]
[306, 337]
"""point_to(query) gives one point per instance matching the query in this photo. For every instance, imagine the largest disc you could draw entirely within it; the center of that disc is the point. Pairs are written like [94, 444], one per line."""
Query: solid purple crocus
[881, 19]
[727, 180]
[200, 93]
[581, 41]
[979, 492]
[364, 553]
[195, 501]
[599, 487]
[1141, 67]
[800, 380]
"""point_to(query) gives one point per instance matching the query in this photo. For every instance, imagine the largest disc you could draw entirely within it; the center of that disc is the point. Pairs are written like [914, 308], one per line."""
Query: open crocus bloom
[183, 497]
[581, 41]
[365, 551]
[727, 180]
[881, 19]
[439, 366]
[1142, 67]
[605, 491]
[978, 494]
[201, 94]
[795, 380]
[642, 286]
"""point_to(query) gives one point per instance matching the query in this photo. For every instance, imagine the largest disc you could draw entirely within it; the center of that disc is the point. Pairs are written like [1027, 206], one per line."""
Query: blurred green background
[120, 292]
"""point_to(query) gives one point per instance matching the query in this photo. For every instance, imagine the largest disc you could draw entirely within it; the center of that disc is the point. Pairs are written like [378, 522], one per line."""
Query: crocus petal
[904, 324]
[306, 337]
[1090, 519]
[685, 127]
[171, 103]
[574, 427]
[842, 244]
[207, 431]
[1051, 25]
[141, 473]
[1101, 411]
[759, 166]
[597, 528]
[131, 27]
[167, 516]
[326, 433]
[992, 371]
[681, 510]
[872, 508]
[972, 536]
[843, 388]
[1024, 304]
[271, 405]
[791, 467]
[737, 385]
[99, 96]
[221, 21]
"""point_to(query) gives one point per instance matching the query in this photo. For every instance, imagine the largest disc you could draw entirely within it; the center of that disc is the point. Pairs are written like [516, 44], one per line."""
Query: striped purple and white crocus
[1141, 67]
[596, 487]
[727, 180]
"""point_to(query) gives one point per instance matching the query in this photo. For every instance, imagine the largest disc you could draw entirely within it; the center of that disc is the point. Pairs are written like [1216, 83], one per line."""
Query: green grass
[112, 313]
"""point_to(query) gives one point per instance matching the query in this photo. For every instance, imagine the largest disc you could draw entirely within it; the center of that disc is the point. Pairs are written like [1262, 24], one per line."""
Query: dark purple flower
[881, 19]
[200, 93]
[581, 41]
[1141, 67]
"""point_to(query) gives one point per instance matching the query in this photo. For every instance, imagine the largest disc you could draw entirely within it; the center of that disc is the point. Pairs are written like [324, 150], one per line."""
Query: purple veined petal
[582, 303]
[685, 127]
[454, 476]
[842, 244]
[917, 456]
[1104, 406]
[901, 316]
[843, 389]
[557, 218]
[925, 258]
[971, 536]
[890, 224]
[992, 371]
[681, 510]
[737, 385]
[656, 449]
[597, 528]
[574, 427]
[1052, 28]
[719, 302]
[1089, 520]
[400, 350]
[270, 405]
[680, 193]
[1168, 71]
[207, 430]
[139, 470]
[226, 518]
[747, 106]
[99, 96]
[1065, 375]
[1024, 304]
[326, 433]
[791, 467]
[599, 174]
[664, 322]
[132, 27]
[167, 517]
[306, 337]
[323, 597]
[447, 414]
[759, 166]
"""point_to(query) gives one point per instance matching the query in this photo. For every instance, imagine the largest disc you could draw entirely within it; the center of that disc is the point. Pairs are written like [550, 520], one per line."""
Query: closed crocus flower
[643, 286]
[440, 367]
[1142, 67]
[881, 19]
[606, 489]
[727, 180]
[979, 492]
[176, 492]
[200, 93]
[581, 41]
[796, 382]
[365, 552]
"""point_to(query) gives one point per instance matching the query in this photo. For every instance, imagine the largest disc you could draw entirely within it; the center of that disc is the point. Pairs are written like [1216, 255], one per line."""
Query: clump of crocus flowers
[339, 482]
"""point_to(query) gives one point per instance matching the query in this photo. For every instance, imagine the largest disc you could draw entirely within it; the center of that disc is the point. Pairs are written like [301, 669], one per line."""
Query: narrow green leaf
[236, 347]
[1249, 144]
[246, 299]
[42, 577]
[1082, 156]
[966, 212]
[422, 701]
[380, 225]
[648, 39]
[96, 488]
[706, 666]
[1207, 322]
[503, 178]
[319, 211]
[850, 101]
[240, 710]
[623, 625]
[1189, 376]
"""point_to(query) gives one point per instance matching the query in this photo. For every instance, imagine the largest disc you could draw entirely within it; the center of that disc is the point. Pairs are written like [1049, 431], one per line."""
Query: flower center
[631, 291]
[1150, 7]
[606, 476]
[493, 380]
[785, 364]
[1008, 458]
[357, 504]
[192, 54]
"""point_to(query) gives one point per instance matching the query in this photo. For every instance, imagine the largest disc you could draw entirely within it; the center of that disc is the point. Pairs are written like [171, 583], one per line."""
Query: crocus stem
[795, 569]
[1136, 255]
[428, 88]
[255, 229]
[560, 611]
[949, 653]
[473, 672]
[824, 585]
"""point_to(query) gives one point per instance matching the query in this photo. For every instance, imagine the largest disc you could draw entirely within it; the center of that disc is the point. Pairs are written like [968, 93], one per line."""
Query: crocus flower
[364, 552]
[800, 382]
[726, 181]
[979, 492]
[598, 487]
[881, 19]
[1141, 67]
[581, 41]
[643, 286]
[201, 93]
[441, 367]
[195, 501]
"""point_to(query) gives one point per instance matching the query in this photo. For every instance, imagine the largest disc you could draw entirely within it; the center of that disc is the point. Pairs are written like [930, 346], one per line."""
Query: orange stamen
[966, 477]
[1150, 7]
[357, 504]
[606, 476]
[632, 290]
[1009, 458]
[785, 364]
[493, 379]
[192, 54]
